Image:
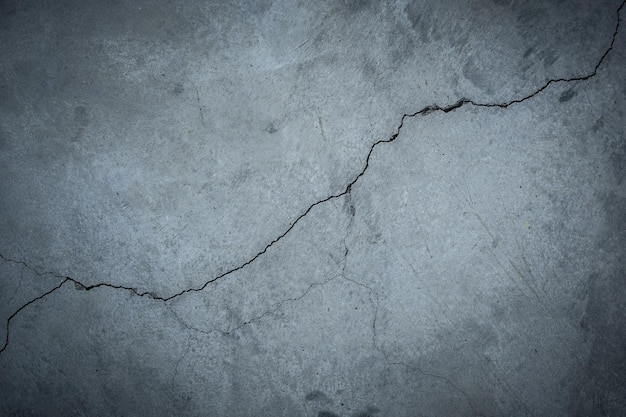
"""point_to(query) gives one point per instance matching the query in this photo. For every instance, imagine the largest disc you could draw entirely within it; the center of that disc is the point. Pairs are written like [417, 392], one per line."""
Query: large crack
[422, 112]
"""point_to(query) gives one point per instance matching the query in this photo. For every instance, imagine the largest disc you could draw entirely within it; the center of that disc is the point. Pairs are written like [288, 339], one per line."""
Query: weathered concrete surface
[345, 208]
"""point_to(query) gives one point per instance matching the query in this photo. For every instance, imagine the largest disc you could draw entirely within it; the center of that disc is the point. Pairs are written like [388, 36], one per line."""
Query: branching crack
[390, 362]
[423, 112]
[275, 308]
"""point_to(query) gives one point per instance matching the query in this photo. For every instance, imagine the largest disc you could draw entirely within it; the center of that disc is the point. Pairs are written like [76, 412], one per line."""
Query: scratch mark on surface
[319, 119]
[200, 107]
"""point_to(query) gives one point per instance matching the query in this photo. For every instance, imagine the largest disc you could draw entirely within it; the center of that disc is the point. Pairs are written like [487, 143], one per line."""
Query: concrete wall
[333, 208]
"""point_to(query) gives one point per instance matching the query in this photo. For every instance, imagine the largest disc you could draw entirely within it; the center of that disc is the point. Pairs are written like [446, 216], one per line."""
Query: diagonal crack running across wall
[423, 112]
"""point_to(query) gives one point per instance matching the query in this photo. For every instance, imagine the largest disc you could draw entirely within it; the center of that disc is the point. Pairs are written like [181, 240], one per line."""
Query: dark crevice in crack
[351, 214]
[423, 112]
[34, 300]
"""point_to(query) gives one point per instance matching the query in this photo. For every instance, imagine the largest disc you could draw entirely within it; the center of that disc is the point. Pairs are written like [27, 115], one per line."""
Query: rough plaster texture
[333, 208]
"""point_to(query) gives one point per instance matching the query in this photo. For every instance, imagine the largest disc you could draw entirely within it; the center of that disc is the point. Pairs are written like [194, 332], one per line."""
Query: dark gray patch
[400, 48]
[24, 68]
[528, 52]
[475, 75]
[8, 7]
[369, 412]
[612, 238]
[529, 16]
[549, 57]
[327, 414]
[81, 120]
[599, 124]
[316, 396]
[259, 7]
[357, 6]
[140, 61]
[280, 405]
[81, 116]
[348, 205]
[567, 95]
[4, 139]
[24, 413]
[600, 388]
[370, 70]
[615, 209]
[271, 128]
[420, 20]
[179, 89]
[241, 176]
[618, 166]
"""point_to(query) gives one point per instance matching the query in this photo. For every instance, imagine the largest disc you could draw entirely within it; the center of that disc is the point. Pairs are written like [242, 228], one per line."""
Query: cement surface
[343, 208]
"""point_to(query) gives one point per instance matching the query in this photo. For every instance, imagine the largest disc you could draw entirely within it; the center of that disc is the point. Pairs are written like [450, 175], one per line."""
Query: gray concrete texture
[337, 208]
